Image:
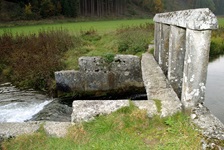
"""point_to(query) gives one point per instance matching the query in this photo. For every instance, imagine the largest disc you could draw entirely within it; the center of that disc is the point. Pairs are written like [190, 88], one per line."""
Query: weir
[182, 44]
[178, 69]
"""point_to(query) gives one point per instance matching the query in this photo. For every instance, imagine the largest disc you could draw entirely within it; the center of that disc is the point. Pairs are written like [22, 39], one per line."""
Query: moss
[158, 105]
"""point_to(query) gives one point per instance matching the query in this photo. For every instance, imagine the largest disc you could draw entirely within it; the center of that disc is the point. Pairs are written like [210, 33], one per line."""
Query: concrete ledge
[86, 110]
[195, 19]
[13, 129]
[158, 87]
[210, 125]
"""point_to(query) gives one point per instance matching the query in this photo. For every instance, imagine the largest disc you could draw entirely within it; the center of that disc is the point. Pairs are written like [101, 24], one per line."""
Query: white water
[20, 111]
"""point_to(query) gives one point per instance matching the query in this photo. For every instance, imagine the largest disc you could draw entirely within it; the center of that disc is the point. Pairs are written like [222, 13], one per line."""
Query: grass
[221, 22]
[76, 27]
[135, 38]
[126, 129]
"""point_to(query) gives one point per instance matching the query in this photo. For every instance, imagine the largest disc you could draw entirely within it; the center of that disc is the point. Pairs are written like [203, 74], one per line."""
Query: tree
[157, 6]
[205, 4]
[47, 8]
[0, 6]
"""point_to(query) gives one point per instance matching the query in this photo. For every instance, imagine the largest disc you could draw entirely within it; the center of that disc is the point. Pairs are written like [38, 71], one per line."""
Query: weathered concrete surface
[148, 105]
[195, 67]
[157, 86]
[86, 110]
[177, 48]
[157, 39]
[195, 19]
[9, 130]
[96, 74]
[211, 126]
[164, 53]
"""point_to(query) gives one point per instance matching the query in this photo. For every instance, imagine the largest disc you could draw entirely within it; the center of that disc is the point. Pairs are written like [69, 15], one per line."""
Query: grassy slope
[127, 129]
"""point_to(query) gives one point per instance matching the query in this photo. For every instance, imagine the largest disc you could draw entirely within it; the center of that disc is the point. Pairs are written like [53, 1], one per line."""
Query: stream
[19, 106]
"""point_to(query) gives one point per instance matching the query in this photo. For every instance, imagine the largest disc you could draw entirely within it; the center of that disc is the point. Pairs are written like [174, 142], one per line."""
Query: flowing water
[214, 96]
[19, 106]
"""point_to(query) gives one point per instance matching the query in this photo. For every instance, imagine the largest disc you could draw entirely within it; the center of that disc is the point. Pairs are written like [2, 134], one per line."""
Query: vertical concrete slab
[177, 47]
[195, 67]
[157, 38]
[164, 53]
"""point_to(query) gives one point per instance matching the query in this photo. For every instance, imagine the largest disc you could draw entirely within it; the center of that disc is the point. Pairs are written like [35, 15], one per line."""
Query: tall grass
[217, 42]
[126, 129]
[30, 60]
[134, 40]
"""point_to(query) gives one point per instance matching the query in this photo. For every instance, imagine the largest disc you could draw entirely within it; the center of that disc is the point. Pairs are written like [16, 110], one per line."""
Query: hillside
[59, 9]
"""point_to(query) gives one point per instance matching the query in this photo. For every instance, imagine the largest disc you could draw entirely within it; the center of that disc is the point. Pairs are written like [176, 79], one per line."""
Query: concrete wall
[182, 44]
[95, 74]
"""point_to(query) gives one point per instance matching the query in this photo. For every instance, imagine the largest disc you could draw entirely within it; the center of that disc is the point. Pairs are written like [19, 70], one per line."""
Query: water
[20, 111]
[19, 106]
[214, 96]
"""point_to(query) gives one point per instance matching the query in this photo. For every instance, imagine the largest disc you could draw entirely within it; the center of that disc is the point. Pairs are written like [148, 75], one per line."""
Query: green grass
[126, 129]
[76, 27]
[221, 22]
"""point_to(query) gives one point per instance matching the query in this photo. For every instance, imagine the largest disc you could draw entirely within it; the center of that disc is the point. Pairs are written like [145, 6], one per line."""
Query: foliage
[127, 128]
[32, 59]
[217, 42]
[95, 8]
[134, 40]
[109, 57]
[90, 35]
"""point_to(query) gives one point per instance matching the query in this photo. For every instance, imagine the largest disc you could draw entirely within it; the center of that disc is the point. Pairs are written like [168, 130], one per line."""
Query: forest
[41, 9]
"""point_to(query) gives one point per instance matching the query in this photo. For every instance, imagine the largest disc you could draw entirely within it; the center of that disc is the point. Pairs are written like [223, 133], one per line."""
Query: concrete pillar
[161, 52]
[177, 47]
[195, 67]
[164, 53]
[157, 42]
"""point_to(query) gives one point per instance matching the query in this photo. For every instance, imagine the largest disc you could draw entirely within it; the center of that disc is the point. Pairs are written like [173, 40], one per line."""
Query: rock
[54, 111]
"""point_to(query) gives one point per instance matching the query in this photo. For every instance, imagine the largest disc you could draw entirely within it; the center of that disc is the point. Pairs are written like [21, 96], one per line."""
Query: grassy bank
[126, 129]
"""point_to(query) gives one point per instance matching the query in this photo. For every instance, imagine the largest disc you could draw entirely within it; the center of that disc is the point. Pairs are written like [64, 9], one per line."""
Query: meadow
[74, 27]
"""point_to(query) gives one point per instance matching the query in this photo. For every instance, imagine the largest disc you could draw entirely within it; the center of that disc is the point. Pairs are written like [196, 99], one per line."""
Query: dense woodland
[40, 9]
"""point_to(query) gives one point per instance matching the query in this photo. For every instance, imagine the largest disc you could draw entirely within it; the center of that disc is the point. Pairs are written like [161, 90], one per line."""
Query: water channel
[19, 106]
[214, 96]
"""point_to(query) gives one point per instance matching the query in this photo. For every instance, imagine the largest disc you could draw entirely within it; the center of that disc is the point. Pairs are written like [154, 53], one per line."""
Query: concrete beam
[195, 19]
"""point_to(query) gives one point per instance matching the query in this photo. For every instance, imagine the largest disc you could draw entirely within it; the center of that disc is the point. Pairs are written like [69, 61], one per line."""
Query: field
[76, 27]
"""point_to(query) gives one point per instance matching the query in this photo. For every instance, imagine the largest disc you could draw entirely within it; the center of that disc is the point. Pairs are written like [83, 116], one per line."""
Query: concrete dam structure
[175, 75]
